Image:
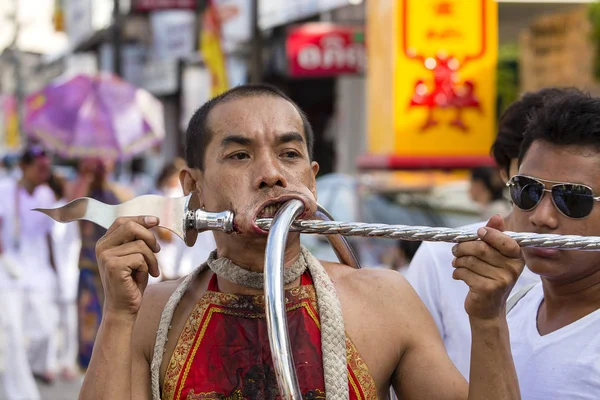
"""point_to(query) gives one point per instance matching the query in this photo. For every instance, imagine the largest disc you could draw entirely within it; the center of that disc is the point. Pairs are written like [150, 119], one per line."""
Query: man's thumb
[149, 221]
[496, 222]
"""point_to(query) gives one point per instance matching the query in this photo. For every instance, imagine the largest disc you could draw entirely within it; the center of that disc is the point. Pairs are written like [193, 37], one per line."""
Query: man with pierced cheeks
[354, 333]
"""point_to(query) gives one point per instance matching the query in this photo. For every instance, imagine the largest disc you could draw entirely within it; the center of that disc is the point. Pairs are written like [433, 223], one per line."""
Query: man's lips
[544, 253]
[278, 202]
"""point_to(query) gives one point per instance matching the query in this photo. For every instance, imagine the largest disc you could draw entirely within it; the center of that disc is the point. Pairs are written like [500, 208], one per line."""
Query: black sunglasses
[573, 200]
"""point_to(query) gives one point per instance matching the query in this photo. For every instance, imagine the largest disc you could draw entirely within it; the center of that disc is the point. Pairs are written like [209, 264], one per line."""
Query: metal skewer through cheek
[279, 339]
[275, 311]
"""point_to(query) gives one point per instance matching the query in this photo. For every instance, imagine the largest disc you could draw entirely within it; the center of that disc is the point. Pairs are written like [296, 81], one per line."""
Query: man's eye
[291, 154]
[239, 156]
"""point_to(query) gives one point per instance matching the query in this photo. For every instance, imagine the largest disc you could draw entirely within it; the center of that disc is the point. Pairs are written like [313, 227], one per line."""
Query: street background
[404, 98]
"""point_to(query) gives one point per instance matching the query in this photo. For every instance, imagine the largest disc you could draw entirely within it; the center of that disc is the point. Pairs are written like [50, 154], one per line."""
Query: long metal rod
[429, 234]
[279, 339]
[180, 216]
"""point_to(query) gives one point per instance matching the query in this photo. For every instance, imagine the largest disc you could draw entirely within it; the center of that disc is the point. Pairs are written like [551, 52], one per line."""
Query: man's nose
[545, 215]
[269, 173]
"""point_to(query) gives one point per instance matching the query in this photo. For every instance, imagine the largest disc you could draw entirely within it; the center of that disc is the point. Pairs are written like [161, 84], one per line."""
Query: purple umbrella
[95, 116]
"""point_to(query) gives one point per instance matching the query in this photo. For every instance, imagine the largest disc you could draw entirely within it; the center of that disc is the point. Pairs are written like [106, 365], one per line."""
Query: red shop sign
[152, 5]
[323, 49]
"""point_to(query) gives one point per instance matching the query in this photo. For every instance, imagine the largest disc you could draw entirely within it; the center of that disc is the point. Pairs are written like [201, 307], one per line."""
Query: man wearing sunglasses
[430, 272]
[554, 327]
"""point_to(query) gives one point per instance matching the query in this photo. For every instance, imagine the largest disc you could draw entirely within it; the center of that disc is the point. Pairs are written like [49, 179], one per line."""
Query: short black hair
[513, 124]
[32, 153]
[198, 134]
[572, 119]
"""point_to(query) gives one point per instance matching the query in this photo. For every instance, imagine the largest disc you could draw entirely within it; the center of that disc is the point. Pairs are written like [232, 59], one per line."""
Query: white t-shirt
[564, 364]
[430, 274]
[32, 252]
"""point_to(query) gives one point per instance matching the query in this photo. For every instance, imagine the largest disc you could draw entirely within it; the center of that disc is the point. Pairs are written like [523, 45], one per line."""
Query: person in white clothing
[554, 327]
[430, 271]
[66, 241]
[28, 285]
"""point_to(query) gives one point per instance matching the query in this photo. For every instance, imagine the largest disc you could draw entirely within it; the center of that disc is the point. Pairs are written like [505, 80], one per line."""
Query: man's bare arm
[125, 257]
[109, 373]
[490, 267]
[493, 374]
[425, 370]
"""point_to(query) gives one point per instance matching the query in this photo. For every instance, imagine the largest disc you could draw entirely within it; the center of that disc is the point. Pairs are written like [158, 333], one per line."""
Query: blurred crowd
[50, 289]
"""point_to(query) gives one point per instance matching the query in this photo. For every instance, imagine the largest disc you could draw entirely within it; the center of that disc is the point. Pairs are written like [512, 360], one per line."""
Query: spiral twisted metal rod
[429, 234]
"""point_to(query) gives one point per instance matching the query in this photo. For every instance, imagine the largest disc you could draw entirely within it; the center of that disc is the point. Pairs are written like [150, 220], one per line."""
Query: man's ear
[189, 180]
[314, 166]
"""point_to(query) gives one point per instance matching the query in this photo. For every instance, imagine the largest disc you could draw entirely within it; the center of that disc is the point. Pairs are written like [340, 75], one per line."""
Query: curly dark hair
[513, 123]
[572, 119]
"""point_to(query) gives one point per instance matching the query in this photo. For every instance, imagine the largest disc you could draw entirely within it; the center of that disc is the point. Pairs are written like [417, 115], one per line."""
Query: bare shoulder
[383, 316]
[386, 287]
[381, 298]
[154, 301]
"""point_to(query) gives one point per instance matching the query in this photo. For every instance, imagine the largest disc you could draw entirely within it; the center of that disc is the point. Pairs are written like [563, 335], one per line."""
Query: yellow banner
[12, 137]
[58, 16]
[438, 61]
[212, 49]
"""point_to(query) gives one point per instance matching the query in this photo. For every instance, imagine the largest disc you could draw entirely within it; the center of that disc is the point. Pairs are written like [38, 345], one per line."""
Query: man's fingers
[472, 279]
[129, 231]
[480, 250]
[139, 246]
[118, 267]
[475, 265]
[143, 220]
[499, 241]
[141, 279]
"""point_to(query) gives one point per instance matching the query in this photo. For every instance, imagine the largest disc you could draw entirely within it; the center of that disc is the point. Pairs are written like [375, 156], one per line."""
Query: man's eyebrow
[242, 140]
[290, 137]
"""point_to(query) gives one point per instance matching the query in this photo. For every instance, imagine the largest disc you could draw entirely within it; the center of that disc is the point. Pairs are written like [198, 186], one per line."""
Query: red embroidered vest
[223, 351]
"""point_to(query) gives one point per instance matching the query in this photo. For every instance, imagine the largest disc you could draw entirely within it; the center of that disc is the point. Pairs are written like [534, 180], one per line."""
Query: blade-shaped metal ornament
[180, 215]
[186, 219]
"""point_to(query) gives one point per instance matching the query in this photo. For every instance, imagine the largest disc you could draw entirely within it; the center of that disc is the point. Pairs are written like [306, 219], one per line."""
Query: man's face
[256, 160]
[38, 172]
[566, 164]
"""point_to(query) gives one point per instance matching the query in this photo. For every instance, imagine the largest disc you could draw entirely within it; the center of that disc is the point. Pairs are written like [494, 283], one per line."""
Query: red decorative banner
[323, 49]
